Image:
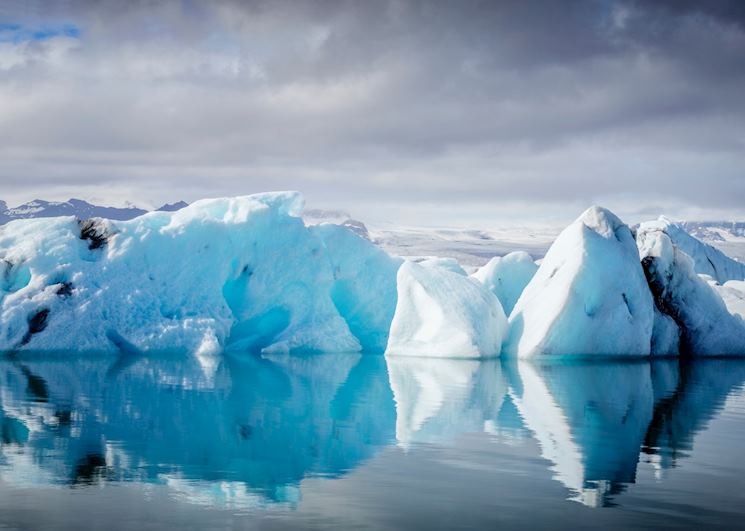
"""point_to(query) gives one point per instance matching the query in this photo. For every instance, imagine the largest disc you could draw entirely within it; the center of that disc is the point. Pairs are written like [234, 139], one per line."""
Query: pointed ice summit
[589, 295]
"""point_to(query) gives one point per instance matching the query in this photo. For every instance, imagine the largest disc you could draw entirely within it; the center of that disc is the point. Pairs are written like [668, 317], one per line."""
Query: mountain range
[38, 208]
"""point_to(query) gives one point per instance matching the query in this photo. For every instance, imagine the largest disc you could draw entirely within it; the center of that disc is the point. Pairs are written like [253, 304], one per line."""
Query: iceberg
[241, 273]
[506, 276]
[588, 297]
[707, 260]
[250, 275]
[706, 326]
[444, 314]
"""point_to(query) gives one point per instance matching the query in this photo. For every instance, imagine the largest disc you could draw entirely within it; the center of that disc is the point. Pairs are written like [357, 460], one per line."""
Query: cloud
[360, 104]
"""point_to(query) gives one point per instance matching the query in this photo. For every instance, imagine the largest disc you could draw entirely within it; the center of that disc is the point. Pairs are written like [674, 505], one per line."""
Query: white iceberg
[506, 276]
[706, 326]
[240, 273]
[444, 314]
[707, 260]
[588, 297]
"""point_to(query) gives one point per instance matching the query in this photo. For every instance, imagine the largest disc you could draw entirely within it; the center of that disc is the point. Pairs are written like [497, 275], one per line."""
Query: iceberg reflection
[438, 399]
[592, 420]
[246, 432]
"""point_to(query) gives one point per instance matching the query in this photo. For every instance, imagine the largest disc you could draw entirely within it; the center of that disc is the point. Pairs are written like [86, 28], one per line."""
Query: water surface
[358, 441]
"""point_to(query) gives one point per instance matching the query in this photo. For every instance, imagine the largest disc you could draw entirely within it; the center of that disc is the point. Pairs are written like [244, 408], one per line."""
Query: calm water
[353, 441]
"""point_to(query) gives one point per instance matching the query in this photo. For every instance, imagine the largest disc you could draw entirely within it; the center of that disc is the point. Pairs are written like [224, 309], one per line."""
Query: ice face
[707, 260]
[444, 314]
[588, 297]
[506, 276]
[242, 273]
[364, 286]
[706, 325]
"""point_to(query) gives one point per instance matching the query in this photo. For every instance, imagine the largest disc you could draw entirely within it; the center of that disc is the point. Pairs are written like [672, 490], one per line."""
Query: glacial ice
[707, 260]
[246, 274]
[706, 325]
[440, 313]
[506, 276]
[242, 273]
[364, 286]
[589, 295]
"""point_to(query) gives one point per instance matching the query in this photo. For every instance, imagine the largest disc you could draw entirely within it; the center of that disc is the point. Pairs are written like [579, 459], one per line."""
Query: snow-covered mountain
[727, 236]
[715, 231]
[38, 208]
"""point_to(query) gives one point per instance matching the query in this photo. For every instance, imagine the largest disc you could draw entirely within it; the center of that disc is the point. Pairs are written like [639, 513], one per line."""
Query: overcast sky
[462, 111]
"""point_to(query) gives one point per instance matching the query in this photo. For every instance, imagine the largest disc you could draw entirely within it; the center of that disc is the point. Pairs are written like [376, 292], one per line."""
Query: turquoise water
[357, 441]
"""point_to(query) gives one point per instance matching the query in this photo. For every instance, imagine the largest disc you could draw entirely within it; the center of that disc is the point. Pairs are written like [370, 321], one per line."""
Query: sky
[449, 113]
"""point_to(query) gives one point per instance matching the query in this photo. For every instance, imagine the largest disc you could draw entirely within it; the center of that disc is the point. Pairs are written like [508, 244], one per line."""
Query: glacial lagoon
[364, 441]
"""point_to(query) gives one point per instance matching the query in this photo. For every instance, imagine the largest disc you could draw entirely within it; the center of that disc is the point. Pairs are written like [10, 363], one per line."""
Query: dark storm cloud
[549, 103]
